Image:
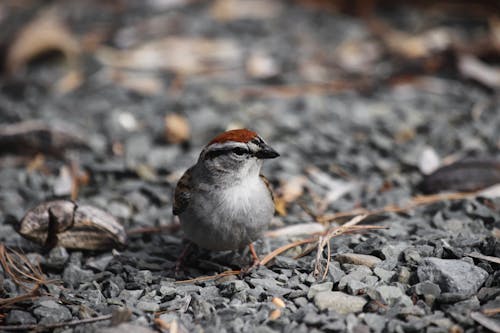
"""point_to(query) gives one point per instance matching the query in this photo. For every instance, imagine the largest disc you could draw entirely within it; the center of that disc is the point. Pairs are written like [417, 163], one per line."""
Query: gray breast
[228, 219]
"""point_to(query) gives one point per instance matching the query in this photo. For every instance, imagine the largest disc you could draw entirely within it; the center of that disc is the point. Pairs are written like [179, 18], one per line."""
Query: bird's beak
[266, 152]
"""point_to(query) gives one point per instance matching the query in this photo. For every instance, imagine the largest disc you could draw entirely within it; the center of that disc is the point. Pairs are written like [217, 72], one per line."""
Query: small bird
[223, 202]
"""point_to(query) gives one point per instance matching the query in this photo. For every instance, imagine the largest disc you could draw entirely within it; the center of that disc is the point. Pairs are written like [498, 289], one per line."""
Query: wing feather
[268, 185]
[182, 193]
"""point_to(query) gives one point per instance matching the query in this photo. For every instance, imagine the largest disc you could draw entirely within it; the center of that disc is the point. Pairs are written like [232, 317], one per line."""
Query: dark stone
[455, 276]
[50, 312]
[18, 317]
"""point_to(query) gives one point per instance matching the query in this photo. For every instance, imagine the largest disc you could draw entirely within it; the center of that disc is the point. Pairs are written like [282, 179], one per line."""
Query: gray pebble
[456, 276]
[18, 317]
[314, 289]
[50, 312]
[339, 301]
[74, 275]
[358, 259]
[58, 256]
[148, 306]
[390, 295]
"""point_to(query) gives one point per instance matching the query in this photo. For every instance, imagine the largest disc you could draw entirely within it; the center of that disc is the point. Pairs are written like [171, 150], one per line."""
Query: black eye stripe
[240, 151]
[217, 152]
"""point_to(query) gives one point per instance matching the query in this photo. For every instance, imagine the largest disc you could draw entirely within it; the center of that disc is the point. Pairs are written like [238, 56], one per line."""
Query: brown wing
[182, 193]
[268, 185]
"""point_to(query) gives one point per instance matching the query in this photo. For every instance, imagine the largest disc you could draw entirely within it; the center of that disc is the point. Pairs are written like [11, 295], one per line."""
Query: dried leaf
[490, 323]
[230, 10]
[490, 192]
[471, 67]
[275, 314]
[185, 56]
[146, 84]
[177, 129]
[465, 176]
[45, 33]
[278, 302]
[336, 188]
[68, 224]
[296, 229]
[476, 255]
[292, 189]
[419, 46]
[30, 137]
[69, 82]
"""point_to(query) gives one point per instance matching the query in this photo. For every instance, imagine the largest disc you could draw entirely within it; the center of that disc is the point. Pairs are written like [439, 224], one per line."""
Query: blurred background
[95, 92]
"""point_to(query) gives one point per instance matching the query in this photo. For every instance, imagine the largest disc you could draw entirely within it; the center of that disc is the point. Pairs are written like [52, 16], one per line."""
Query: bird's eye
[239, 151]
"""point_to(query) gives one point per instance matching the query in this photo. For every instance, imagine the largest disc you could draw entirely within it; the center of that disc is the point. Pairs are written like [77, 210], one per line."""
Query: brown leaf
[473, 68]
[146, 84]
[45, 33]
[275, 314]
[177, 129]
[465, 176]
[69, 82]
[230, 10]
[185, 56]
[30, 137]
[296, 229]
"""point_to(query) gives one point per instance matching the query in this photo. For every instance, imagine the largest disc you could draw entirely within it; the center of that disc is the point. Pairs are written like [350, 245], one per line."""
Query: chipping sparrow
[222, 201]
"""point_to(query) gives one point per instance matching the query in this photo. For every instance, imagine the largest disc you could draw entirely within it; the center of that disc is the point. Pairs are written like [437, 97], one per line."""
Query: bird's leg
[255, 262]
[255, 257]
[184, 254]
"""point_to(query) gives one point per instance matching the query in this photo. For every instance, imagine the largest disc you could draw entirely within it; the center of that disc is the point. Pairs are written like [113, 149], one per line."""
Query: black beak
[266, 152]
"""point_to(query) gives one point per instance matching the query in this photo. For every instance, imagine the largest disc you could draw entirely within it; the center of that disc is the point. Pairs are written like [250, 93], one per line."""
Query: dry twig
[25, 274]
[210, 277]
[415, 202]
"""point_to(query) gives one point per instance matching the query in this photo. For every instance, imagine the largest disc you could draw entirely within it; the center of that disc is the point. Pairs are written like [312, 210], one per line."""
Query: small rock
[427, 288]
[230, 288]
[336, 272]
[355, 287]
[327, 286]
[454, 276]
[374, 321]
[177, 129]
[358, 259]
[50, 312]
[412, 256]
[390, 295]
[74, 275]
[383, 274]
[18, 317]
[131, 294]
[58, 256]
[404, 275]
[270, 286]
[99, 263]
[300, 301]
[339, 301]
[148, 306]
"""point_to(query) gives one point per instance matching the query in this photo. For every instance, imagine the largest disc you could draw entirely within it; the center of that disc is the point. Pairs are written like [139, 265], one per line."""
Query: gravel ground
[368, 143]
